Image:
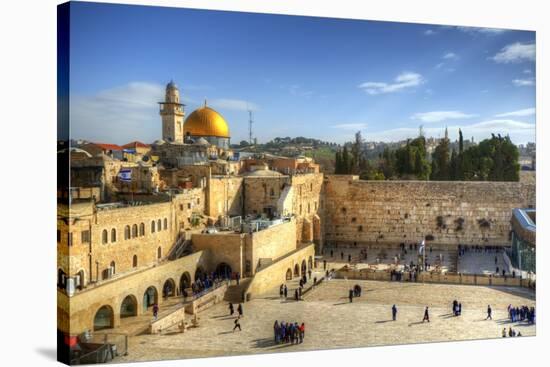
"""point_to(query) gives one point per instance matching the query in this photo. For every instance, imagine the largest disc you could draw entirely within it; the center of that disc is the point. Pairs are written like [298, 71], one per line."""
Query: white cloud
[402, 81]
[450, 56]
[524, 112]
[438, 116]
[355, 127]
[527, 71]
[481, 30]
[524, 82]
[232, 104]
[515, 52]
[118, 115]
[429, 32]
[520, 132]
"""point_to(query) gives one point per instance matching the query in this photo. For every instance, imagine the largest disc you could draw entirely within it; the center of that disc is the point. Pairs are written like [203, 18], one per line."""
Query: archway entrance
[104, 318]
[185, 281]
[223, 271]
[288, 274]
[128, 307]
[296, 270]
[304, 267]
[200, 273]
[169, 288]
[150, 297]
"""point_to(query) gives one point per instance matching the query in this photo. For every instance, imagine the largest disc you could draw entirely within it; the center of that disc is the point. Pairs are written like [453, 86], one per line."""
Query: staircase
[234, 292]
[181, 248]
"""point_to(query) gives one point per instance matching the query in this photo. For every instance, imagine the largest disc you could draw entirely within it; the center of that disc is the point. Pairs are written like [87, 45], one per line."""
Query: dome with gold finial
[205, 122]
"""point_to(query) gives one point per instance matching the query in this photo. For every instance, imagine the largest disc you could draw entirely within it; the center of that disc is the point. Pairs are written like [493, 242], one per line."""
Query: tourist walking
[393, 312]
[231, 309]
[155, 311]
[237, 324]
[489, 312]
[426, 315]
[350, 295]
[238, 277]
[302, 332]
[504, 333]
[285, 291]
[281, 291]
[240, 310]
[276, 331]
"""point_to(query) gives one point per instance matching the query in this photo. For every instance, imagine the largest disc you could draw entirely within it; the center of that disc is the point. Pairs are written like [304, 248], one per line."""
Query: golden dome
[205, 122]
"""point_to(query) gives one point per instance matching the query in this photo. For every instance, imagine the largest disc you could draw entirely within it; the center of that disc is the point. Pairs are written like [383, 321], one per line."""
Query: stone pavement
[332, 322]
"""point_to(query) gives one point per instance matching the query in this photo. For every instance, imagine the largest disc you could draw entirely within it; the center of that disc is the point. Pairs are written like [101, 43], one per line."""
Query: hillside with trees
[493, 159]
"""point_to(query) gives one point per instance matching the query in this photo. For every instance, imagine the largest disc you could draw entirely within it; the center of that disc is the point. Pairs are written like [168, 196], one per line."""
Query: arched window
[159, 252]
[113, 267]
[142, 229]
[134, 231]
[159, 225]
[134, 261]
[153, 226]
[113, 235]
[127, 232]
[165, 223]
[104, 236]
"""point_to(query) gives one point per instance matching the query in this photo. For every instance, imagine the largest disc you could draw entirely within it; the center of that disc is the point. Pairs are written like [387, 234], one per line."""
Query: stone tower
[172, 114]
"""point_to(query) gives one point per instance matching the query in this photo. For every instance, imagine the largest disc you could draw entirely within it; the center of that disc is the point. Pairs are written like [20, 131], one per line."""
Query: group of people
[523, 313]
[511, 333]
[288, 332]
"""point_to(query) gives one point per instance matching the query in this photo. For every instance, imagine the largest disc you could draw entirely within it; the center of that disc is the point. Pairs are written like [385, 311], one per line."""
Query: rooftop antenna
[250, 122]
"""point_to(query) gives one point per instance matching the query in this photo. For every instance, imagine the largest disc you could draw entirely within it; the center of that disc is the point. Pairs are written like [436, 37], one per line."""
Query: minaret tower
[172, 114]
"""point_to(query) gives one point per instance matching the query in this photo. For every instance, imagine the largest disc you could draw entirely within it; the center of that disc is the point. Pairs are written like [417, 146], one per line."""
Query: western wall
[445, 213]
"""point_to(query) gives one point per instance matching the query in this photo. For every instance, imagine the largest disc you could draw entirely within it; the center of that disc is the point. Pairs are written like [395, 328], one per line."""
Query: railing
[100, 348]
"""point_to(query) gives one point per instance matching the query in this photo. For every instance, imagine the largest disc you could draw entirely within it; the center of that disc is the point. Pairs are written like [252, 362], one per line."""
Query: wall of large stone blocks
[392, 212]
[225, 196]
[83, 306]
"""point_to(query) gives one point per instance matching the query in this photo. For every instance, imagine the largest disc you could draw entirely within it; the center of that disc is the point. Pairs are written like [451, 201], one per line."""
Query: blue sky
[302, 76]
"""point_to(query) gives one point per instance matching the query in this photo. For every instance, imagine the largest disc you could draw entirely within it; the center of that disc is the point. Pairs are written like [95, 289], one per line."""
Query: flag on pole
[125, 175]
[421, 248]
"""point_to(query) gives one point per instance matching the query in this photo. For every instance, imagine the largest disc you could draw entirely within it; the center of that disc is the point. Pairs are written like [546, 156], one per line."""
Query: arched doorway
[304, 267]
[200, 273]
[128, 307]
[169, 288]
[185, 281]
[223, 271]
[310, 263]
[296, 270]
[150, 297]
[104, 318]
[288, 274]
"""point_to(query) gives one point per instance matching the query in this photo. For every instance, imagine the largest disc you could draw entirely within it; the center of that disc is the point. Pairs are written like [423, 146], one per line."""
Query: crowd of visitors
[288, 332]
[522, 313]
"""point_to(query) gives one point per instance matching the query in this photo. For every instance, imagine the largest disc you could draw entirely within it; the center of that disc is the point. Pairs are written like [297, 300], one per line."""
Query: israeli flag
[421, 248]
[125, 175]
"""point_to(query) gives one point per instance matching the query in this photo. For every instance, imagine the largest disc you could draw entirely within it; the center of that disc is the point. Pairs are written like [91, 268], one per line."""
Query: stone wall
[276, 274]
[243, 251]
[225, 196]
[392, 212]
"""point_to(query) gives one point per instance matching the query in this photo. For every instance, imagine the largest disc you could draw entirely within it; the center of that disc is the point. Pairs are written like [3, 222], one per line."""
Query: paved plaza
[332, 322]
